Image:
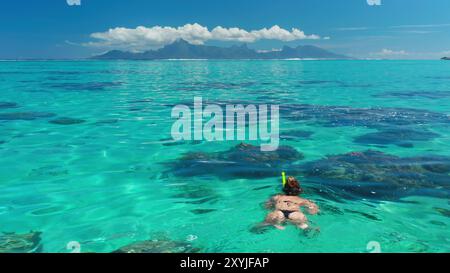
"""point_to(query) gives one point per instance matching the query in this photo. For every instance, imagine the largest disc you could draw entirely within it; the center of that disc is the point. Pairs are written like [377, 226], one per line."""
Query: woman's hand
[270, 203]
[312, 208]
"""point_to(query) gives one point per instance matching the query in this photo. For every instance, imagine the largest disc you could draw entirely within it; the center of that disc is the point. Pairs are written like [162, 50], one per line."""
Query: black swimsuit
[287, 213]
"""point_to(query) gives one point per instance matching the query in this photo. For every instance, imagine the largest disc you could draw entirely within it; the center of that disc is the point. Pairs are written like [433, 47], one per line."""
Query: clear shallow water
[105, 182]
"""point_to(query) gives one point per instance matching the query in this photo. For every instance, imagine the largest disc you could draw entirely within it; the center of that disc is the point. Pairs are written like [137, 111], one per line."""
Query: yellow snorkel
[283, 175]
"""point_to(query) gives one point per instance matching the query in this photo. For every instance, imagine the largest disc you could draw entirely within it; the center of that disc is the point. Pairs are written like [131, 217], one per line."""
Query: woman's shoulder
[276, 197]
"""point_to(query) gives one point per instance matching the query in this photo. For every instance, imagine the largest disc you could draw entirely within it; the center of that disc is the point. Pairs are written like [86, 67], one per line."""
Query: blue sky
[398, 29]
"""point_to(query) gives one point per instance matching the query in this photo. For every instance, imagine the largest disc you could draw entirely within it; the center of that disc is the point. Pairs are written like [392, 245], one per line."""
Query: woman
[287, 207]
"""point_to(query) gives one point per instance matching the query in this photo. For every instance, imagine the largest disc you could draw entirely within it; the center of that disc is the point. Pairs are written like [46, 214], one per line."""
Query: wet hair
[292, 187]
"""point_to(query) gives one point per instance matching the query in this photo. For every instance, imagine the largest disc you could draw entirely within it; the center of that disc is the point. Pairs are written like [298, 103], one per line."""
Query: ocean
[86, 155]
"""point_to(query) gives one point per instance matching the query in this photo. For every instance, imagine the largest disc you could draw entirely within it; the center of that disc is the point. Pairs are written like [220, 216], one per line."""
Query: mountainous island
[446, 58]
[181, 49]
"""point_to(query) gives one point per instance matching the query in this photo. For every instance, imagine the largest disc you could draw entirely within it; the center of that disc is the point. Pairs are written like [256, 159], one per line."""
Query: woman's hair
[292, 187]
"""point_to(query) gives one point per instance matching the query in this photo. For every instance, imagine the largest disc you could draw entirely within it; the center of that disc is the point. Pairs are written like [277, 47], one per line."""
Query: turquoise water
[104, 180]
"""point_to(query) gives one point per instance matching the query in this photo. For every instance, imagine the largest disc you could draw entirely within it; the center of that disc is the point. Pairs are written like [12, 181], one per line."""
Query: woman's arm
[270, 203]
[312, 207]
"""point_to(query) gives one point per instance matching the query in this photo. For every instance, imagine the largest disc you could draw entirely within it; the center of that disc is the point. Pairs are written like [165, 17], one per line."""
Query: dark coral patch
[262, 188]
[67, 121]
[437, 223]
[374, 174]
[295, 135]
[107, 121]
[241, 161]
[20, 243]
[442, 211]
[158, 246]
[171, 142]
[399, 137]
[202, 211]
[25, 115]
[88, 86]
[6, 105]
[379, 118]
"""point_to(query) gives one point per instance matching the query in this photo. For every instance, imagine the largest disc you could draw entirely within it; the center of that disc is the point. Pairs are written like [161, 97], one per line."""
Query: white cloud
[374, 2]
[422, 26]
[73, 2]
[142, 38]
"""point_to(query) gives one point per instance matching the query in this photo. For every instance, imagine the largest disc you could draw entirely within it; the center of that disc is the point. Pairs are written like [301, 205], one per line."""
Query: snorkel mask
[283, 176]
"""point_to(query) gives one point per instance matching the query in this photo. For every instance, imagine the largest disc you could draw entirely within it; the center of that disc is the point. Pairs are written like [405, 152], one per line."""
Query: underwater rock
[437, 223]
[67, 121]
[107, 121]
[65, 72]
[399, 137]
[25, 115]
[373, 174]
[445, 212]
[253, 154]
[415, 94]
[136, 109]
[241, 161]
[49, 171]
[295, 135]
[171, 142]
[6, 105]
[60, 78]
[158, 246]
[221, 103]
[88, 86]
[263, 188]
[20, 243]
[380, 117]
[405, 145]
[202, 211]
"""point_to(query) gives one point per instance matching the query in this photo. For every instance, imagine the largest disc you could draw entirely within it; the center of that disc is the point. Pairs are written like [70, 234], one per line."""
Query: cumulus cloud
[73, 2]
[374, 2]
[142, 38]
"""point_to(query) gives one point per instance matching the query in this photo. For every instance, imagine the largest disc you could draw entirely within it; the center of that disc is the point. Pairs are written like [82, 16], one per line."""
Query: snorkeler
[287, 207]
